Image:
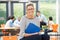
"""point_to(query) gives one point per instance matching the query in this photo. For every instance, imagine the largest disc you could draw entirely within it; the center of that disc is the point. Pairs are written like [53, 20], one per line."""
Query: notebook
[32, 28]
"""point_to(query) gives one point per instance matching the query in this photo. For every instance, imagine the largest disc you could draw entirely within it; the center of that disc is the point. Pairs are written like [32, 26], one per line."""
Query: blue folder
[32, 28]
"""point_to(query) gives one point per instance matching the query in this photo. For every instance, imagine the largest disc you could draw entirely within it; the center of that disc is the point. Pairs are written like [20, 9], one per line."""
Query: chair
[10, 38]
[55, 27]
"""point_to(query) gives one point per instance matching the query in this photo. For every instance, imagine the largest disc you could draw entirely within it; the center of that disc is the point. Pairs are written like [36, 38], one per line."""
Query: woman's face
[30, 11]
[38, 14]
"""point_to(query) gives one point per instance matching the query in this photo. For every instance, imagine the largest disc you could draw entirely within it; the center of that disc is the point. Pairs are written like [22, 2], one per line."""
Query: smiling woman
[34, 4]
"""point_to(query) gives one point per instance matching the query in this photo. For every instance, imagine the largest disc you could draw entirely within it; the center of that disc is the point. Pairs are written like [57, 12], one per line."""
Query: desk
[11, 35]
[10, 28]
[51, 33]
[12, 31]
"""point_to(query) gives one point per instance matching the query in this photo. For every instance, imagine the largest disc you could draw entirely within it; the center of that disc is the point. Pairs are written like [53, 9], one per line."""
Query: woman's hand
[27, 35]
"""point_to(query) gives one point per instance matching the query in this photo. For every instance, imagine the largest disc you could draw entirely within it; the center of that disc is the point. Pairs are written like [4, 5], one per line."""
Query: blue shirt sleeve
[11, 24]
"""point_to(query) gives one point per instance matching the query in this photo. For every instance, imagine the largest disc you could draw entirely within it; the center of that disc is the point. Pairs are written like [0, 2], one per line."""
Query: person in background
[42, 19]
[17, 22]
[50, 27]
[50, 23]
[10, 21]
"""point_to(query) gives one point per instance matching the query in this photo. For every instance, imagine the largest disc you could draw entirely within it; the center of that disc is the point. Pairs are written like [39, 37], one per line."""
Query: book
[32, 28]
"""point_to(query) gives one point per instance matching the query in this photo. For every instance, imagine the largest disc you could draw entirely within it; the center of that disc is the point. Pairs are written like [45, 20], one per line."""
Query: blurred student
[42, 19]
[10, 21]
[17, 22]
[50, 23]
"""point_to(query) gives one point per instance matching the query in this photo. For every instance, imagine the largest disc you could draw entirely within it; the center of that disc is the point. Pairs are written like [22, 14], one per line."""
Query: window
[48, 8]
[2, 13]
[18, 9]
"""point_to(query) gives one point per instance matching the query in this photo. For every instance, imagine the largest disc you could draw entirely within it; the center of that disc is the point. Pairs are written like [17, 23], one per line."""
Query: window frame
[6, 2]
